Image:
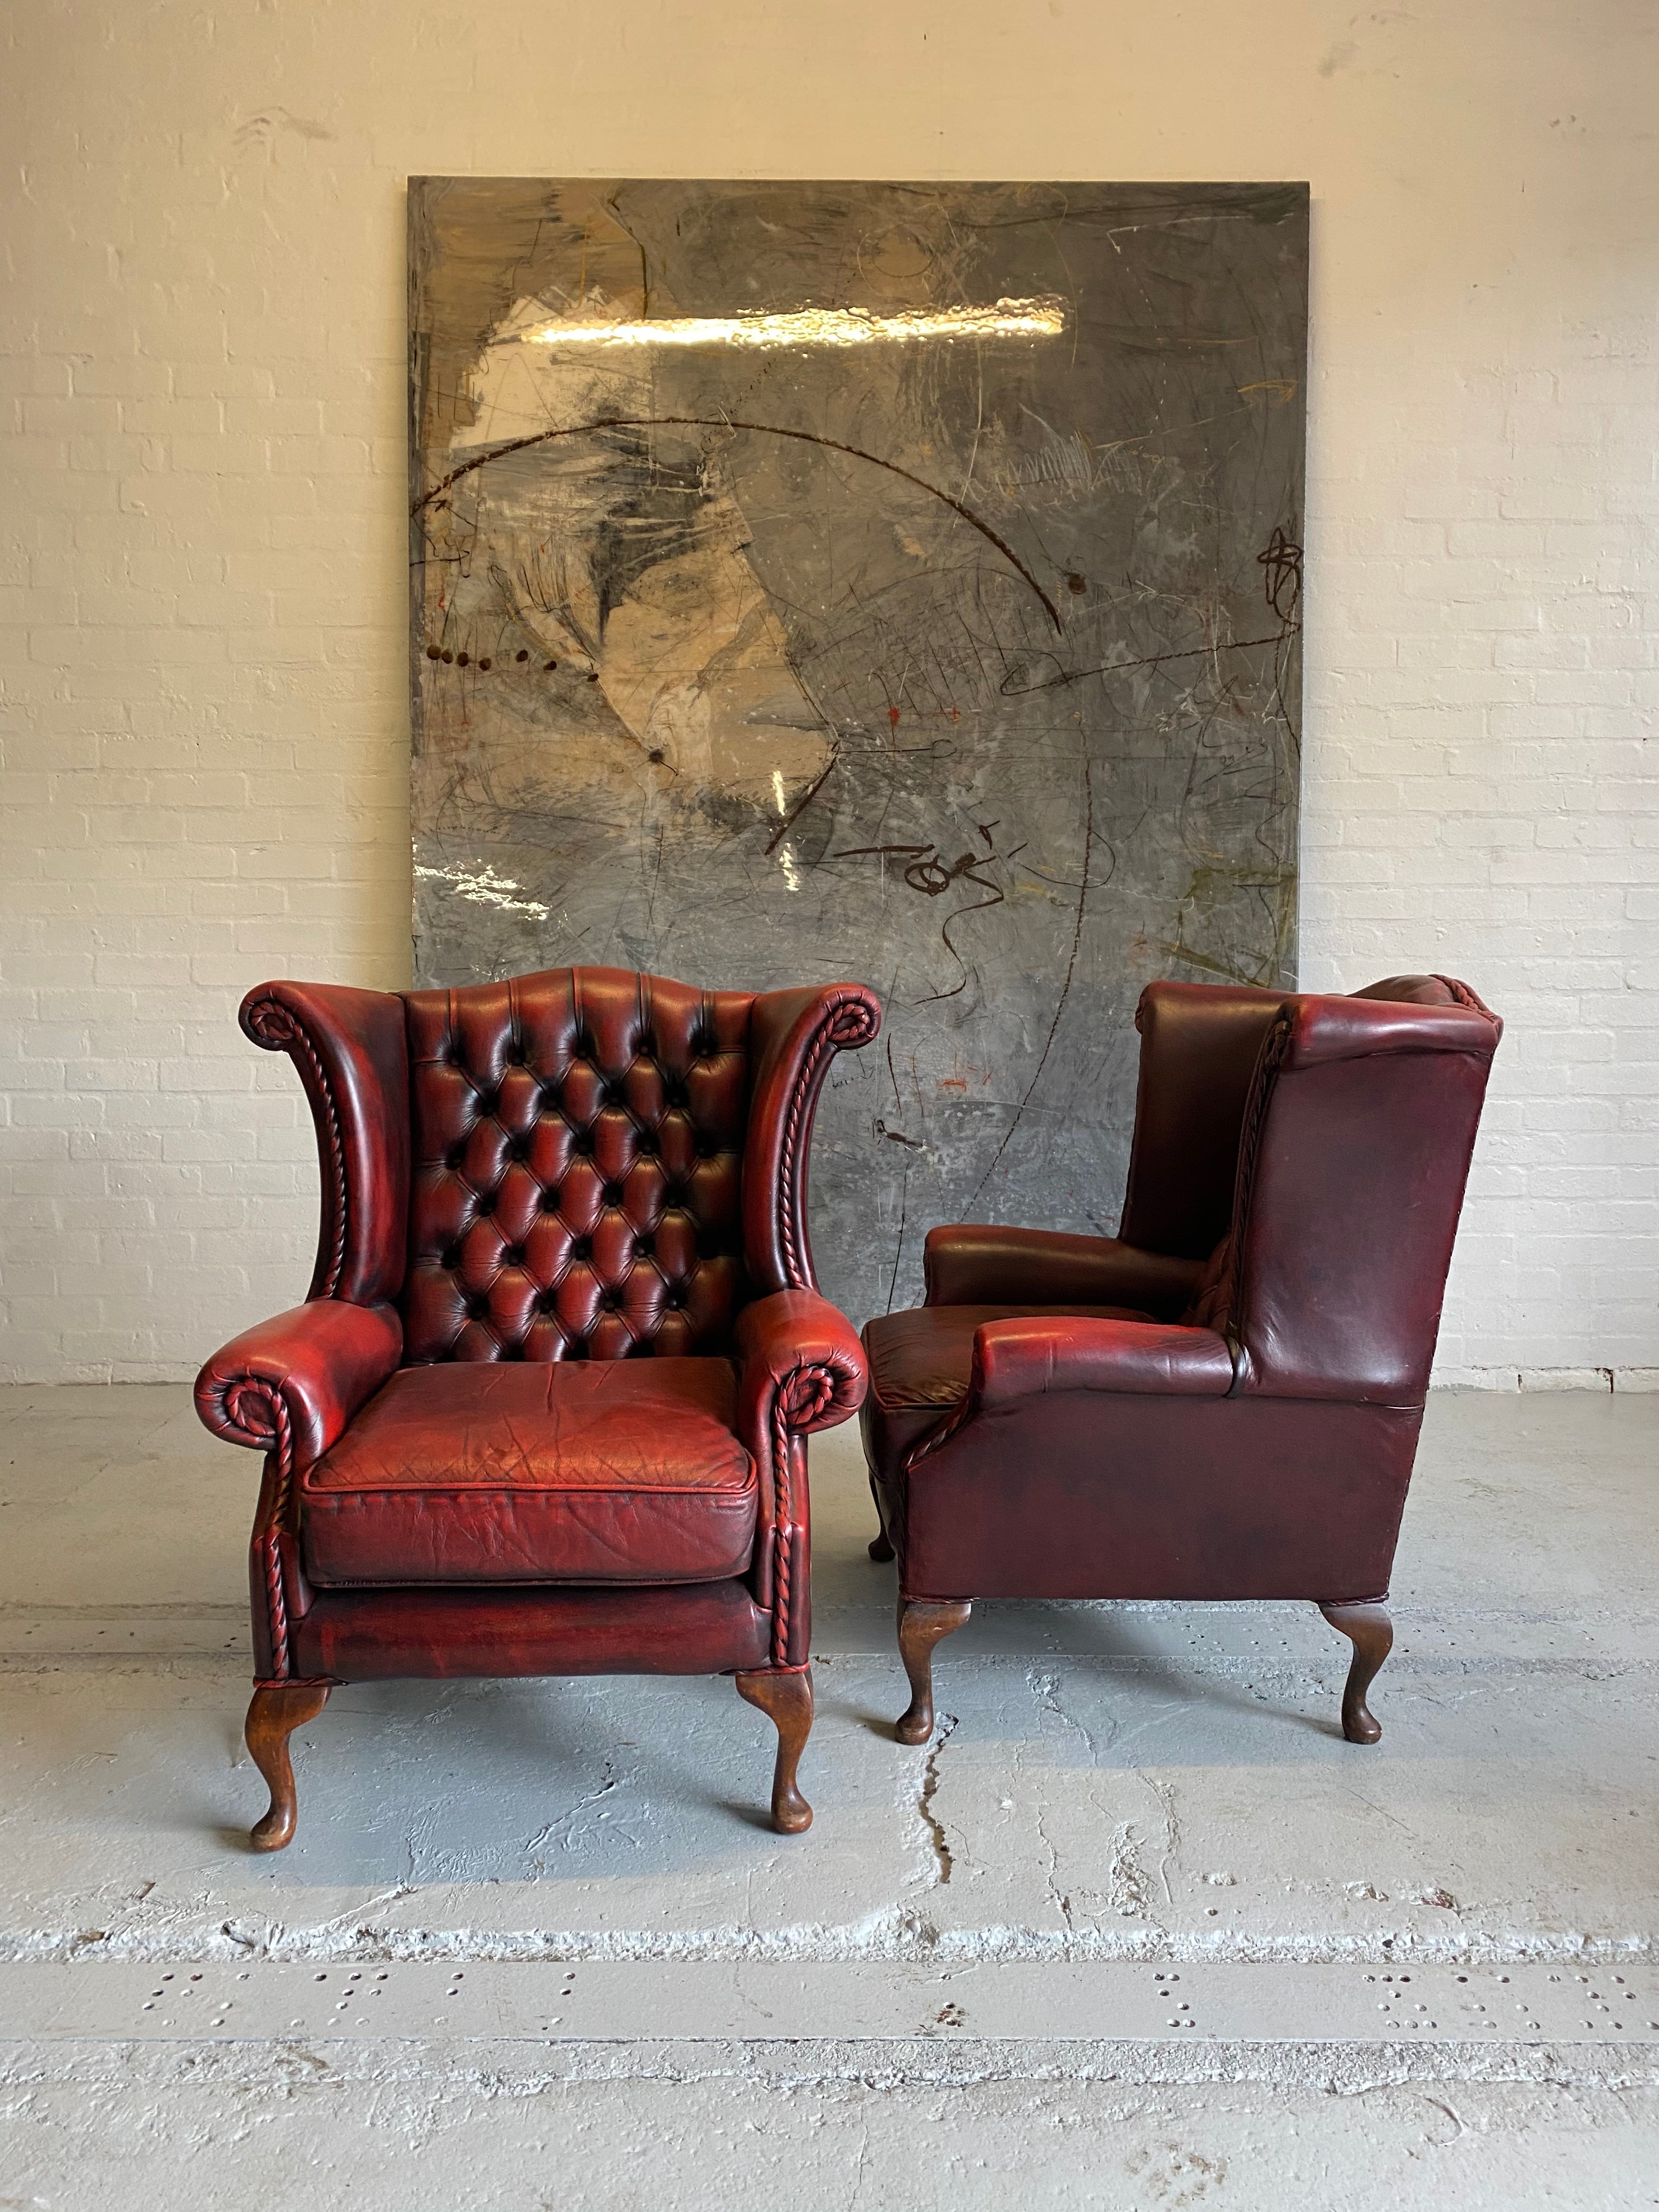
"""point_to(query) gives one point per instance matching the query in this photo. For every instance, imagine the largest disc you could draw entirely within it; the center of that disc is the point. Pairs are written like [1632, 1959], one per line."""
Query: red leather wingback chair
[545, 1409]
[1222, 1401]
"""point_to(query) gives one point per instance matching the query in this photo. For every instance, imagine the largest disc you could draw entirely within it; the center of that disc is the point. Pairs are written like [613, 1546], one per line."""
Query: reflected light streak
[785, 857]
[831, 327]
[485, 887]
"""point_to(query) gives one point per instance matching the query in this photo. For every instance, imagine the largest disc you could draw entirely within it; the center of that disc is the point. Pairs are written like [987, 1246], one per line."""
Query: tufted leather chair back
[575, 1178]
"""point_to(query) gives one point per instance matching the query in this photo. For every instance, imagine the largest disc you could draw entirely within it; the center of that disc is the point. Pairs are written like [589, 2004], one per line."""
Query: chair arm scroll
[306, 1372]
[800, 1361]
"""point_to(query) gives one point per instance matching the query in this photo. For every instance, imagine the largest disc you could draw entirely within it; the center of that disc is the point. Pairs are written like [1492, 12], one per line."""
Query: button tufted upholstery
[586, 1165]
[576, 1169]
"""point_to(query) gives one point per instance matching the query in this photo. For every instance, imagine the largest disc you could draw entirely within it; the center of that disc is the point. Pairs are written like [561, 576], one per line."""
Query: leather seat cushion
[594, 1471]
[920, 1361]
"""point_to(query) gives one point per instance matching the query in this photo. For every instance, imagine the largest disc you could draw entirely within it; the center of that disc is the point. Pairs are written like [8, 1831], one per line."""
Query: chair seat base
[1255, 1497]
[381, 1635]
[422, 1634]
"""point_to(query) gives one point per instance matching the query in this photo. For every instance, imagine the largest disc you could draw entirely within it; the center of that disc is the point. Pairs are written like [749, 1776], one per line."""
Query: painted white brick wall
[201, 580]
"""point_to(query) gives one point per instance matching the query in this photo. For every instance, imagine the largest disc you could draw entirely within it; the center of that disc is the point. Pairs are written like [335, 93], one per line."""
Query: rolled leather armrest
[322, 1360]
[795, 1347]
[967, 1265]
[1019, 1359]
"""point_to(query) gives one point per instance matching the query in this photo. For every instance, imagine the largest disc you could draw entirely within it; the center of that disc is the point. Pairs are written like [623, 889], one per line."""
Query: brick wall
[202, 584]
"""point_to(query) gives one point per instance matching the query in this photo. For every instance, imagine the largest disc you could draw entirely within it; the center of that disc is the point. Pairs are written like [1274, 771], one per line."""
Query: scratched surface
[891, 581]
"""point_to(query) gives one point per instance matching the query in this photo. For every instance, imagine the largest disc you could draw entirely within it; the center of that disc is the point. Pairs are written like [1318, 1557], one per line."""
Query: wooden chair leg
[921, 1622]
[275, 1712]
[786, 1701]
[1370, 1632]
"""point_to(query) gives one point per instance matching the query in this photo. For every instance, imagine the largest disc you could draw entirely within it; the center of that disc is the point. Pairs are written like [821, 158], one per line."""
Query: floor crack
[1045, 1689]
[1059, 1900]
[948, 1724]
[1164, 1793]
[564, 1819]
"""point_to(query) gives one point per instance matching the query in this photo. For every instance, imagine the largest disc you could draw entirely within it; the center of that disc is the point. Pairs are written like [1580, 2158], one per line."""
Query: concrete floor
[1138, 1929]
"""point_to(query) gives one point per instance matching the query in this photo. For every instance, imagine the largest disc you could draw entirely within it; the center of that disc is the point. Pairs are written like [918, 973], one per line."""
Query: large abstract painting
[895, 582]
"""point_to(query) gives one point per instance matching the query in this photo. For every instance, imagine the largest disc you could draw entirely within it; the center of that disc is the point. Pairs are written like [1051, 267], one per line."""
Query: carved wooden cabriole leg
[1369, 1629]
[786, 1701]
[921, 1622]
[277, 1710]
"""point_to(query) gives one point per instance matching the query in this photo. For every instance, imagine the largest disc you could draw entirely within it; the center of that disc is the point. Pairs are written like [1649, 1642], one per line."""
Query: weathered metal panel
[896, 582]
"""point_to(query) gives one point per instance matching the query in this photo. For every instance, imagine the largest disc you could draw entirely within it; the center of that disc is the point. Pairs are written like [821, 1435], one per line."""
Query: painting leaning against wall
[894, 581]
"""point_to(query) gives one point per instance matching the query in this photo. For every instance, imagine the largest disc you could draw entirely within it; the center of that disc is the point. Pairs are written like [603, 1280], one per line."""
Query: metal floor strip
[658, 2000]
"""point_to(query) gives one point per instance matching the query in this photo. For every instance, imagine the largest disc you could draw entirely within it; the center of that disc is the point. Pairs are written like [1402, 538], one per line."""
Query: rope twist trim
[260, 1411]
[800, 1400]
[276, 1028]
[849, 1023]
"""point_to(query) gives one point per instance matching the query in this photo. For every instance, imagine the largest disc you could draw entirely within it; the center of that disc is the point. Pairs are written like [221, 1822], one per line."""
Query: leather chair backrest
[1199, 1047]
[575, 1184]
[1353, 1157]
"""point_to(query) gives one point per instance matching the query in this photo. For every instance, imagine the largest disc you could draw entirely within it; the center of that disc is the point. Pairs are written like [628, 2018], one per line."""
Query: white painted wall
[202, 549]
